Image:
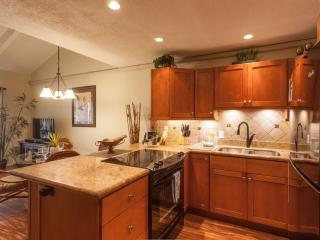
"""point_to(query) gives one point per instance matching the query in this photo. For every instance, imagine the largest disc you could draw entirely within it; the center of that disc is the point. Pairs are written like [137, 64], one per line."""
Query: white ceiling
[190, 27]
[22, 53]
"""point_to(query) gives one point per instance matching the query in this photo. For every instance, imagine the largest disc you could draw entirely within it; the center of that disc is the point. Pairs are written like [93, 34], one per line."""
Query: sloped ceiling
[21, 53]
[190, 27]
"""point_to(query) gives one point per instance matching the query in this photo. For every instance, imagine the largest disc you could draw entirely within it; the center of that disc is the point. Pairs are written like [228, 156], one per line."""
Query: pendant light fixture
[59, 93]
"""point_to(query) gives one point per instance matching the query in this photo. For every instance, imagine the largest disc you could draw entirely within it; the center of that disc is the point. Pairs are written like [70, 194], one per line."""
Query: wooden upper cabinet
[302, 82]
[204, 93]
[231, 86]
[160, 93]
[182, 93]
[267, 84]
[199, 181]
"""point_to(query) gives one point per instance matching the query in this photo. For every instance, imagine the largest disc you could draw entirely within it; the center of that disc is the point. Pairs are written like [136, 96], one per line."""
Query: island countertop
[83, 174]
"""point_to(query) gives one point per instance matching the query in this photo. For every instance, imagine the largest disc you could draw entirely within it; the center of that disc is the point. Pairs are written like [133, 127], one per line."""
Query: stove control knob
[156, 166]
[160, 163]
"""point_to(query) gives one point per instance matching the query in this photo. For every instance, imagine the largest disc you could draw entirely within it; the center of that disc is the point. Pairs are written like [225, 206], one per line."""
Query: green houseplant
[164, 61]
[11, 127]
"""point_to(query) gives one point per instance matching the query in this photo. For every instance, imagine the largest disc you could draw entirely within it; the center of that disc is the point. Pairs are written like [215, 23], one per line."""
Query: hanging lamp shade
[60, 92]
[46, 93]
[69, 94]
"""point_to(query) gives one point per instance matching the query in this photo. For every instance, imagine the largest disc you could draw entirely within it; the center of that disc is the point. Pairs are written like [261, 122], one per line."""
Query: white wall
[115, 88]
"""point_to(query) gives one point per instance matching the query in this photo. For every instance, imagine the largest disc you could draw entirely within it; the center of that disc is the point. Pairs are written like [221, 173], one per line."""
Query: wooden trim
[91, 89]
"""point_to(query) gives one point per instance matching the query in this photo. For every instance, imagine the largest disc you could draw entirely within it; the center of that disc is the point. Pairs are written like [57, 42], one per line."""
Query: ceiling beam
[7, 38]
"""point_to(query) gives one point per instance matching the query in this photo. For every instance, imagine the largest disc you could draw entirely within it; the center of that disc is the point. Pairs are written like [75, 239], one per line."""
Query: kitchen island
[84, 198]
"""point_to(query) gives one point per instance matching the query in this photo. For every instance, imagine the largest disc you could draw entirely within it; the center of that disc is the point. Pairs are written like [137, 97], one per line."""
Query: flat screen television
[42, 127]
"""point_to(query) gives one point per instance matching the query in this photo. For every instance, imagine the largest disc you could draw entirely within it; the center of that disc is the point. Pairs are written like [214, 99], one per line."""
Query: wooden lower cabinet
[186, 184]
[199, 181]
[268, 200]
[228, 192]
[68, 215]
[250, 189]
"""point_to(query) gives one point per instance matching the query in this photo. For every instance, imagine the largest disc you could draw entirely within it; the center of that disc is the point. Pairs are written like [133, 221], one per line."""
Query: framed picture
[84, 107]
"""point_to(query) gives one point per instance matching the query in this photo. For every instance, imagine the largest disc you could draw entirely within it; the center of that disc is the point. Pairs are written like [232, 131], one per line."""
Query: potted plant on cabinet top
[164, 61]
[11, 128]
[54, 142]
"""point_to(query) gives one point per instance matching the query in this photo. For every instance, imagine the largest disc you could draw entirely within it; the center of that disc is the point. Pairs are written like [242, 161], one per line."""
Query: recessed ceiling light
[158, 39]
[248, 36]
[114, 5]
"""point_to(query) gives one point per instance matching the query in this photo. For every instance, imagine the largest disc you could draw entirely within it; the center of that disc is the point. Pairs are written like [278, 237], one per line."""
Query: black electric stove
[146, 158]
[165, 201]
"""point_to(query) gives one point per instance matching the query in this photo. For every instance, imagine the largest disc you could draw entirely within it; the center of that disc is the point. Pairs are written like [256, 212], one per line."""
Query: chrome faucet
[296, 139]
[249, 138]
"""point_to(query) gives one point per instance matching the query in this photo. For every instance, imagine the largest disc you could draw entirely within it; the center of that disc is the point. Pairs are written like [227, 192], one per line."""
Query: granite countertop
[88, 175]
[84, 174]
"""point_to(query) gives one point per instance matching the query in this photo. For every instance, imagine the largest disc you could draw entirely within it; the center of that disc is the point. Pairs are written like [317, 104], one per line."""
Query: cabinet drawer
[228, 163]
[119, 201]
[199, 156]
[131, 224]
[267, 167]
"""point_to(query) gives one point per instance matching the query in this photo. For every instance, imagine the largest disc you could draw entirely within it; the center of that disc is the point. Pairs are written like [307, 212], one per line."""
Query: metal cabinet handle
[202, 205]
[130, 228]
[250, 101]
[210, 113]
[206, 159]
[245, 101]
[244, 178]
[249, 179]
[130, 197]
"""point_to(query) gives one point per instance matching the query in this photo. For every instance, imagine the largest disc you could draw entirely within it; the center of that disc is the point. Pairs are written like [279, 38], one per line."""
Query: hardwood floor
[13, 219]
[13, 226]
[197, 228]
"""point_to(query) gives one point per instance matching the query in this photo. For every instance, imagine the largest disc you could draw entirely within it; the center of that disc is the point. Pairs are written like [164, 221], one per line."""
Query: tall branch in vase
[133, 120]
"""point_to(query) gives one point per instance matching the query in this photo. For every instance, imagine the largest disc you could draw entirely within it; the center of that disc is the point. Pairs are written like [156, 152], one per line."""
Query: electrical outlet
[276, 126]
[228, 125]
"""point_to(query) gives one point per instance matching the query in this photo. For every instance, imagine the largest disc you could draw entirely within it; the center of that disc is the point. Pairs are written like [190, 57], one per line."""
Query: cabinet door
[231, 86]
[268, 200]
[228, 193]
[182, 93]
[204, 93]
[199, 181]
[303, 81]
[267, 84]
[160, 93]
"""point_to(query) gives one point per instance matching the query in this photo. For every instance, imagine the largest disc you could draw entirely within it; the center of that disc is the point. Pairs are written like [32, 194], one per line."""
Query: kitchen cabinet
[267, 200]
[199, 181]
[267, 84]
[302, 80]
[160, 93]
[182, 93]
[204, 94]
[228, 193]
[231, 86]
[249, 189]
[228, 186]
[56, 213]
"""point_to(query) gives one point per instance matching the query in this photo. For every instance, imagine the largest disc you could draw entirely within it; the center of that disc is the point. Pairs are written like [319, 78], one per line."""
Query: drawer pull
[249, 179]
[206, 159]
[130, 197]
[130, 228]
[244, 178]
[202, 205]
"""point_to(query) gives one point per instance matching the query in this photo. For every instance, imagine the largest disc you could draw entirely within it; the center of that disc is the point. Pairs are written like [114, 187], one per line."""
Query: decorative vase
[53, 150]
[3, 164]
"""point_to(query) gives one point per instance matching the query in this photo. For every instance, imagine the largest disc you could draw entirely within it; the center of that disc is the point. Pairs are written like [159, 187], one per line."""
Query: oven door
[165, 201]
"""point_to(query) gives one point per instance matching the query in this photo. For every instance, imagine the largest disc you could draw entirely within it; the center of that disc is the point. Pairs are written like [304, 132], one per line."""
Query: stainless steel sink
[300, 155]
[261, 152]
[230, 150]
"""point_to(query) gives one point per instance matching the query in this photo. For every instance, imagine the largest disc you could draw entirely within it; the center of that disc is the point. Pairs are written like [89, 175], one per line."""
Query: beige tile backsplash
[270, 127]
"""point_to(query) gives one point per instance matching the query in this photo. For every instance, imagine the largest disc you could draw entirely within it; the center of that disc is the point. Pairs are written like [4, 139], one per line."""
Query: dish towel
[176, 186]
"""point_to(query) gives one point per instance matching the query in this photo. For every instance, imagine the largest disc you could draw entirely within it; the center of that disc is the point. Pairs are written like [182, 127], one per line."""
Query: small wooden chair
[62, 154]
[12, 187]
